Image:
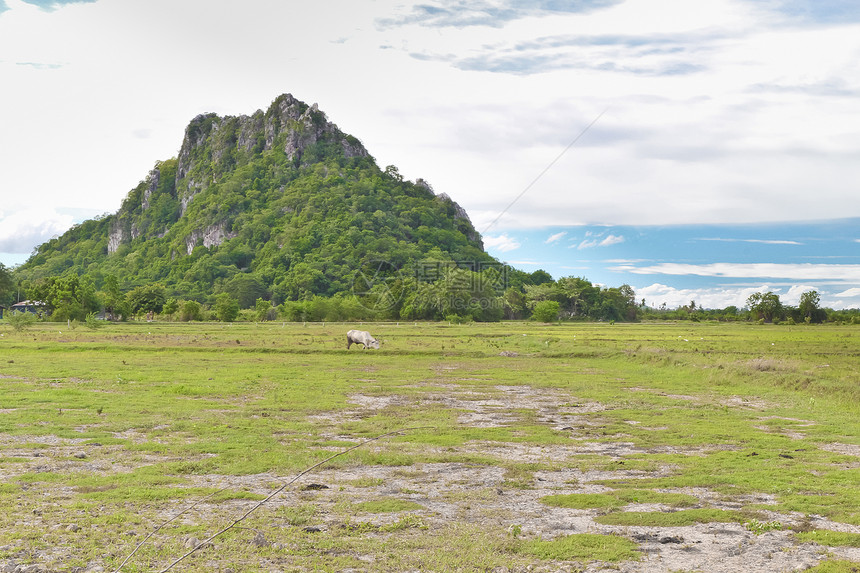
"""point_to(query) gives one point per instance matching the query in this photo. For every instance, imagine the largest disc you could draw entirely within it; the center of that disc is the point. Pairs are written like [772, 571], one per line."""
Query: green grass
[672, 519]
[582, 547]
[830, 538]
[386, 506]
[743, 412]
[616, 500]
[835, 567]
[759, 527]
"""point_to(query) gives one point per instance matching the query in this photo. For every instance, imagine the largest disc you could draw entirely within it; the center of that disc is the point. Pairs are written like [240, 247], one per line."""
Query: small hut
[31, 306]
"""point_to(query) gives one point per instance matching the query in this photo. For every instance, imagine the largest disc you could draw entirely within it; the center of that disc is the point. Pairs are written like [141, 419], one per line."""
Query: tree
[191, 310]
[261, 309]
[581, 298]
[809, 307]
[539, 277]
[7, 285]
[766, 306]
[68, 297]
[245, 288]
[20, 320]
[456, 291]
[115, 304]
[393, 173]
[515, 303]
[171, 306]
[628, 296]
[147, 298]
[546, 311]
[226, 307]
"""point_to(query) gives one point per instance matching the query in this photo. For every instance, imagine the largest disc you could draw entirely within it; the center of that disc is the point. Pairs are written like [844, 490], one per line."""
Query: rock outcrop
[211, 236]
[280, 201]
[213, 143]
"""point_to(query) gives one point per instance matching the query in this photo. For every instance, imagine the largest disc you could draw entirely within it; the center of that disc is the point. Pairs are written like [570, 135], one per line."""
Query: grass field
[646, 447]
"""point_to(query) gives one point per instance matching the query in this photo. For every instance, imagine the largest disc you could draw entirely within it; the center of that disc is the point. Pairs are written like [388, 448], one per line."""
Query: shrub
[546, 311]
[92, 322]
[191, 310]
[457, 319]
[20, 320]
[262, 310]
[226, 307]
[170, 307]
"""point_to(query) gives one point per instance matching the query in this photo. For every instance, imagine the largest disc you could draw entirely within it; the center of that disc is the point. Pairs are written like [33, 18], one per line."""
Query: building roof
[28, 303]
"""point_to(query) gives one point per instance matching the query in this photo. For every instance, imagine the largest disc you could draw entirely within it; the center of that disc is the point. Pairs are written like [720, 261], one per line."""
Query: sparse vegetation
[630, 425]
[20, 320]
[831, 538]
[836, 566]
[582, 547]
[759, 527]
[680, 518]
[616, 500]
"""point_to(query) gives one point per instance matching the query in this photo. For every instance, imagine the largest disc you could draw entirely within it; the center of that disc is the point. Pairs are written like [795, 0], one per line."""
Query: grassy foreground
[106, 434]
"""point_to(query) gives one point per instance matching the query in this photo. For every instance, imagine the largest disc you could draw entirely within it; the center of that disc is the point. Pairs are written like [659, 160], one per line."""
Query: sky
[697, 151]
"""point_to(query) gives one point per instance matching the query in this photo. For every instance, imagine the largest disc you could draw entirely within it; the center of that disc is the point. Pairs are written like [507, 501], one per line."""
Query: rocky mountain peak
[213, 144]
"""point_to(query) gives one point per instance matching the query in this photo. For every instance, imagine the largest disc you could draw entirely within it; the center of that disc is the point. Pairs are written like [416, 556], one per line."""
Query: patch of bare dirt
[479, 495]
[847, 449]
[792, 432]
[484, 496]
[747, 403]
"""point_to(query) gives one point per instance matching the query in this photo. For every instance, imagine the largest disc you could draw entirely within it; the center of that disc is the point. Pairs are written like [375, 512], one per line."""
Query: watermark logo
[380, 285]
[483, 275]
[373, 283]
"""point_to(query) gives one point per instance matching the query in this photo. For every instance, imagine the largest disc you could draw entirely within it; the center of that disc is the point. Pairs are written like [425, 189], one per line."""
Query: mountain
[280, 204]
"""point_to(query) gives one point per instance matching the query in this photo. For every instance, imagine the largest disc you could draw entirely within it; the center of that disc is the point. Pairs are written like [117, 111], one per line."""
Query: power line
[547, 168]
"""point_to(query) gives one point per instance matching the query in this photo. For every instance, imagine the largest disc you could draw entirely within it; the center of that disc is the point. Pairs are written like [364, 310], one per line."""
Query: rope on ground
[156, 530]
[260, 503]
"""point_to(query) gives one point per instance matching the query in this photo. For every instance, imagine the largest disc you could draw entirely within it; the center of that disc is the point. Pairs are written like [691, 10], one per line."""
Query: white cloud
[715, 147]
[658, 294]
[829, 272]
[849, 298]
[611, 240]
[527, 263]
[719, 111]
[556, 237]
[760, 241]
[502, 243]
[21, 230]
[792, 297]
[607, 241]
[850, 293]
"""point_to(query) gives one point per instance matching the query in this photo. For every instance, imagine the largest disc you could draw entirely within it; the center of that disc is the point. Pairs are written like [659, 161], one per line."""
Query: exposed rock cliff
[213, 144]
[460, 216]
[281, 198]
[211, 236]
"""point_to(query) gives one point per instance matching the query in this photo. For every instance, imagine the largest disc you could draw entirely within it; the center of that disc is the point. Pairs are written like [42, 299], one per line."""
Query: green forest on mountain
[282, 215]
[281, 210]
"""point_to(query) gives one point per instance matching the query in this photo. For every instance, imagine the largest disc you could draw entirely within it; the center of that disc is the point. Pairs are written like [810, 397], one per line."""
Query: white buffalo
[361, 337]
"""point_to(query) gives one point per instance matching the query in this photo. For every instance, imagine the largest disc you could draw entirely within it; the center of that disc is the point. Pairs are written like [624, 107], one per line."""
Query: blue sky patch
[462, 14]
[818, 11]
[697, 260]
[50, 5]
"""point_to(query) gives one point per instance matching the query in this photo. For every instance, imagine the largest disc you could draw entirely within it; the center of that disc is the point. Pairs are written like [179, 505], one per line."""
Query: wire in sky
[547, 168]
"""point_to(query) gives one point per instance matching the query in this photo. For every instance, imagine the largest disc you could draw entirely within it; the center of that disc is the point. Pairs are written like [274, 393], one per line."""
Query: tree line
[761, 307]
[429, 290]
